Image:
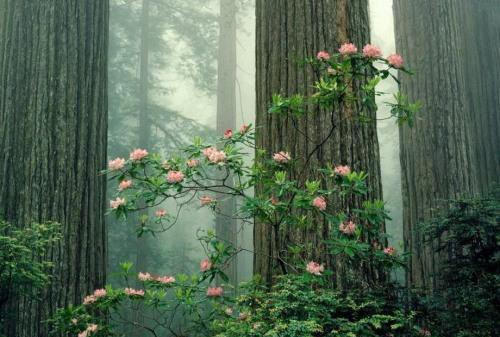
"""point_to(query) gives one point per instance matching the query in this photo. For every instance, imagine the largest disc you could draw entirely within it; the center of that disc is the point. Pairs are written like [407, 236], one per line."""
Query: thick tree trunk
[53, 123]
[452, 150]
[226, 116]
[287, 33]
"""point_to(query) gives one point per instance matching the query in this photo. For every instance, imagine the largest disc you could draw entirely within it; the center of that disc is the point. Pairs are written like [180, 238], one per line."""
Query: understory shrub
[305, 300]
[466, 301]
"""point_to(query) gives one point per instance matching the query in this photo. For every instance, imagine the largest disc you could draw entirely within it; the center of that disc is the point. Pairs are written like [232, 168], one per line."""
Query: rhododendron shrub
[204, 172]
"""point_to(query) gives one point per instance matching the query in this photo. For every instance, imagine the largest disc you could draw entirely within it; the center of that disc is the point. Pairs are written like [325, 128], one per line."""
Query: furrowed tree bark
[452, 150]
[53, 124]
[226, 227]
[287, 33]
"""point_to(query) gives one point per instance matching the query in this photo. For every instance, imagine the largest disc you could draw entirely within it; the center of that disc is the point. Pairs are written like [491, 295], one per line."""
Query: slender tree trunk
[452, 150]
[226, 227]
[144, 130]
[53, 124]
[288, 32]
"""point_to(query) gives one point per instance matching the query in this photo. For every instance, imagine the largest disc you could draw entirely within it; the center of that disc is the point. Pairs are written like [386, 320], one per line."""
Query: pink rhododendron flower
[138, 154]
[134, 292]
[205, 265]
[124, 184]
[215, 291]
[282, 157]
[89, 299]
[319, 203]
[116, 164]
[342, 170]
[228, 133]
[244, 129]
[390, 250]
[117, 203]
[99, 293]
[175, 177]
[323, 55]
[206, 200]
[192, 163]
[84, 333]
[213, 155]
[160, 212]
[395, 60]
[347, 227]
[348, 49]
[165, 279]
[315, 268]
[144, 276]
[371, 51]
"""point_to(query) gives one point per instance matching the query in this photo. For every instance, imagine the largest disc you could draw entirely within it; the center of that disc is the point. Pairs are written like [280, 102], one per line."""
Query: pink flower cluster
[205, 265]
[215, 291]
[395, 60]
[319, 203]
[175, 177]
[213, 155]
[134, 292]
[160, 213]
[342, 170]
[138, 154]
[147, 277]
[116, 164]
[348, 49]
[244, 129]
[282, 157]
[144, 276]
[228, 133]
[206, 200]
[117, 203]
[98, 293]
[165, 279]
[124, 184]
[315, 268]
[91, 328]
[347, 227]
[371, 51]
[390, 250]
[192, 163]
[323, 55]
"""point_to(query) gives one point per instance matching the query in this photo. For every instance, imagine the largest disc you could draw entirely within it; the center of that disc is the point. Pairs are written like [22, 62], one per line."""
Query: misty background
[181, 68]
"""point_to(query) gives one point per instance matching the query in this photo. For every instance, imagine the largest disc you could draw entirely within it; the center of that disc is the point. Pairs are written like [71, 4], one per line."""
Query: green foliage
[306, 306]
[466, 301]
[24, 268]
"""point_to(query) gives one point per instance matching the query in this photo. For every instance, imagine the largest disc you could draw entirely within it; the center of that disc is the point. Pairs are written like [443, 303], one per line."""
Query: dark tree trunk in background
[53, 123]
[288, 32]
[452, 150]
[226, 227]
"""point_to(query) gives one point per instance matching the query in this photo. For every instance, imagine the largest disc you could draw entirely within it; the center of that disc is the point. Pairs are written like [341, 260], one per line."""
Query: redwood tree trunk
[288, 31]
[452, 150]
[53, 122]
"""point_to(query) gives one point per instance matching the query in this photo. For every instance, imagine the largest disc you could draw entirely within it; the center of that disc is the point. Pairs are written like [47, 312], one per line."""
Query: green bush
[466, 302]
[23, 267]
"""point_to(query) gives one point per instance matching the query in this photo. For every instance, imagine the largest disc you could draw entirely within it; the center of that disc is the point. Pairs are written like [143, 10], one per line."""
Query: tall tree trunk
[288, 32]
[226, 116]
[451, 149]
[53, 125]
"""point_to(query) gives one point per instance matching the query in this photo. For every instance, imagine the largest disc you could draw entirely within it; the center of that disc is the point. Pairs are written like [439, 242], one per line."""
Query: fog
[172, 85]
